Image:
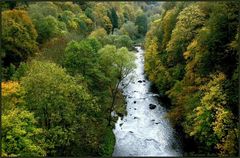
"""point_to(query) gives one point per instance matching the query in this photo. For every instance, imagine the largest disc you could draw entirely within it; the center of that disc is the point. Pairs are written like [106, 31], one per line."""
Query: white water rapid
[143, 131]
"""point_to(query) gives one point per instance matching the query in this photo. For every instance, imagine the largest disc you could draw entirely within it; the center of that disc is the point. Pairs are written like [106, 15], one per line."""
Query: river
[143, 131]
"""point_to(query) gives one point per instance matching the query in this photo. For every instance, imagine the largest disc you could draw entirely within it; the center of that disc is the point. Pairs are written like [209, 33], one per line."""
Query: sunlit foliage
[191, 57]
[19, 37]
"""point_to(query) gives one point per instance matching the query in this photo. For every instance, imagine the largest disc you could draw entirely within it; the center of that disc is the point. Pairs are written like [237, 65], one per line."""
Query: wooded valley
[63, 63]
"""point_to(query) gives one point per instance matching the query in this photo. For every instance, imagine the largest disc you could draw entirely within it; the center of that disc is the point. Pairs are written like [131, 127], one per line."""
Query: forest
[63, 64]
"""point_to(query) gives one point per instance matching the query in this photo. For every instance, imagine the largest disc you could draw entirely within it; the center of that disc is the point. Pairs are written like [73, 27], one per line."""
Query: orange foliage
[9, 88]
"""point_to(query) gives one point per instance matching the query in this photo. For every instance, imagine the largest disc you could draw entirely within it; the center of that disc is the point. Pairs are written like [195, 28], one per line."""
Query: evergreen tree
[114, 18]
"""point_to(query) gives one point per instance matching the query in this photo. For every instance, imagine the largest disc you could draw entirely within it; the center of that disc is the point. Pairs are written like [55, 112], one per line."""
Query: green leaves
[114, 18]
[141, 23]
[82, 59]
[117, 63]
[130, 29]
[211, 118]
[54, 111]
[191, 57]
[20, 135]
[189, 20]
[19, 37]
[49, 27]
[58, 102]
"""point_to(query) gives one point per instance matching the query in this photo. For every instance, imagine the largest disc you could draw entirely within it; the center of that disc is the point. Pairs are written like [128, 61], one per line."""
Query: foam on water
[143, 132]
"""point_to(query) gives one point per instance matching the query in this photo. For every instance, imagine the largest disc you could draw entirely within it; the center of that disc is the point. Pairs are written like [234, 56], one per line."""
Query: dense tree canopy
[190, 58]
[19, 37]
[57, 93]
[141, 22]
[70, 103]
[63, 63]
[20, 135]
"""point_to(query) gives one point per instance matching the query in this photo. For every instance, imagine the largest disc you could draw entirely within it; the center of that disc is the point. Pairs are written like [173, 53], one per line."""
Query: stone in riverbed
[152, 106]
[120, 124]
[135, 118]
[140, 81]
[134, 102]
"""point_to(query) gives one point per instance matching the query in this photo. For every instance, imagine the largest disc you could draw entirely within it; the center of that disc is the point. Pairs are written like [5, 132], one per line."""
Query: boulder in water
[131, 131]
[140, 81]
[120, 124]
[135, 118]
[143, 80]
[134, 102]
[153, 120]
[152, 106]
[135, 109]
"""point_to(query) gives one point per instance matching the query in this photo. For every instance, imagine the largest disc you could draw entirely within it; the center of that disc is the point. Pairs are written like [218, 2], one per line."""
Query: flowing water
[143, 131]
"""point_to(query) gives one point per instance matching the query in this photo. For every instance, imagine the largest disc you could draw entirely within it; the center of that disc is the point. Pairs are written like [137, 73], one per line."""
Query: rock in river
[152, 106]
[140, 81]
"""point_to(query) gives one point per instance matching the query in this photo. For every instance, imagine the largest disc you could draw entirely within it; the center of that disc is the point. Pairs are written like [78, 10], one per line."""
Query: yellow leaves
[19, 36]
[199, 110]
[187, 54]
[107, 23]
[73, 24]
[223, 121]
[20, 17]
[211, 118]
[227, 146]
[234, 44]
[10, 87]
[214, 96]
[98, 33]
[192, 133]
[107, 20]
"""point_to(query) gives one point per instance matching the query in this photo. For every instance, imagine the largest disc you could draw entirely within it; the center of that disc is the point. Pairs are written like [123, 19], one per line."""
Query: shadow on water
[187, 144]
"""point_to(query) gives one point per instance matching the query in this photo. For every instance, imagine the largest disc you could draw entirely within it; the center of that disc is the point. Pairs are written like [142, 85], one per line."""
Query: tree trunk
[114, 94]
